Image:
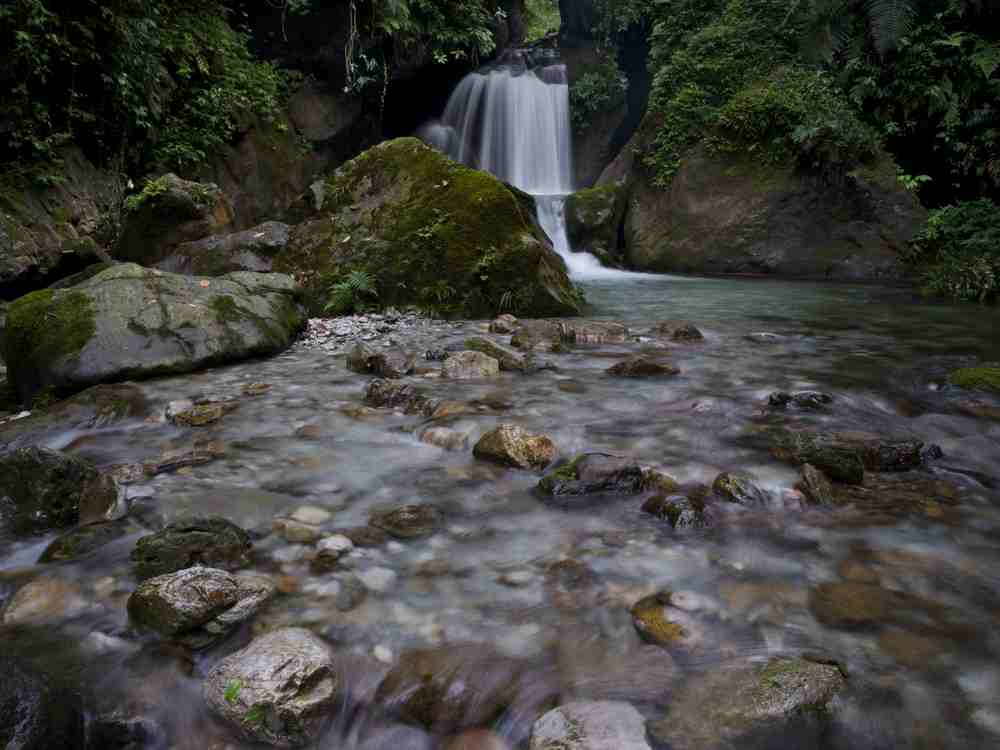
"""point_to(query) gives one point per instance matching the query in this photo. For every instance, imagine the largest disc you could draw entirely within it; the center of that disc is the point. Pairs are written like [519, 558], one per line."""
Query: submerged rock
[511, 445]
[128, 321]
[214, 542]
[85, 540]
[800, 399]
[36, 713]
[198, 605]
[388, 394]
[982, 378]
[681, 331]
[784, 702]
[740, 489]
[281, 690]
[45, 600]
[470, 364]
[590, 725]
[202, 414]
[658, 622]
[642, 366]
[679, 511]
[844, 456]
[42, 490]
[508, 358]
[408, 521]
[591, 473]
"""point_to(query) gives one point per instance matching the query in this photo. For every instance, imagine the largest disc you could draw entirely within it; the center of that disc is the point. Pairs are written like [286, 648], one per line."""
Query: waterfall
[513, 121]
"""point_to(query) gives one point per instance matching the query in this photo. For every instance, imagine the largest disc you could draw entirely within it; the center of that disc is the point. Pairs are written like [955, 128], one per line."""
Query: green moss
[976, 378]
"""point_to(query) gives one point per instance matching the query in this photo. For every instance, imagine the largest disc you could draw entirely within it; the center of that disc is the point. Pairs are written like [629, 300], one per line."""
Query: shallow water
[745, 583]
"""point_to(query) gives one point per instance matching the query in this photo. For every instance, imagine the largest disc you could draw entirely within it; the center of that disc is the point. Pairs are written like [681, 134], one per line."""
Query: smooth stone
[590, 725]
[510, 359]
[311, 514]
[45, 600]
[408, 521]
[469, 364]
[505, 323]
[511, 445]
[379, 580]
[445, 438]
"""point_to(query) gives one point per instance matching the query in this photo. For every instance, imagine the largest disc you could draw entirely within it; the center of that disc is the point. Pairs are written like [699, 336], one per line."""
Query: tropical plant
[354, 293]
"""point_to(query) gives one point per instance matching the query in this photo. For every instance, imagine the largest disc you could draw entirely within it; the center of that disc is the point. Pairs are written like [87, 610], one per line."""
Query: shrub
[600, 88]
[354, 293]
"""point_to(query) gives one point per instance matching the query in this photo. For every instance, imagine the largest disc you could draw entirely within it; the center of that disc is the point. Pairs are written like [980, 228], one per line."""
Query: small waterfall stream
[513, 120]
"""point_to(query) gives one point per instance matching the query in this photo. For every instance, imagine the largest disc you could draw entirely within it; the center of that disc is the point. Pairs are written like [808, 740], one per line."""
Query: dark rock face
[593, 218]
[250, 250]
[34, 714]
[724, 214]
[593, 473]
[578, 20]
[215, 542]
[42, 489]
[815, 486]
[107, 327]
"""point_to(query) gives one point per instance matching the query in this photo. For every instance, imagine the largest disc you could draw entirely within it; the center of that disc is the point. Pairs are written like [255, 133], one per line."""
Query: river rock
[593, 217]
[679, 511]
[111, 326]
[85, 540]
[505, 323]
[538, 335]
[590, 725]
[445, 437]
[593, 332]
[249, 250]
[213, 542]
[681, 331]
[858, 606]
[390, 363]
[477, 739]
[198, 605]
[281, 690]
[45, 600]
[809, 400]
[408, 521]
[42, 489]
[658, 622]
[890, 496]
[844, 456]
[591, 473]
[642, 366]
[35, 713]
[509, 358]
[469, 364]
[511, 445]
[202, 414]
[452, 688]
[815, 486]
[740, 489]
[783, 703]
[386, 393]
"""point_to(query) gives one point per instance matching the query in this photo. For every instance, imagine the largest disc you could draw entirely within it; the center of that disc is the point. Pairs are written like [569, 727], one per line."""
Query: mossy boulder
[594, 473]
[167, 212]
[133, 322]
[432, 233]
[845, 456]
[250, 250]
[593, 221]
[984, 378]
[191, 541]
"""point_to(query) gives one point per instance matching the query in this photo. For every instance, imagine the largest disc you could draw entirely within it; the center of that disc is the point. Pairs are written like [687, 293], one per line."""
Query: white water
[514, 123]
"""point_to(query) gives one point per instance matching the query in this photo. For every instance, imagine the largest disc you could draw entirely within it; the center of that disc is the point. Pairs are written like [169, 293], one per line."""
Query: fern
[889, 21]
[349, 295]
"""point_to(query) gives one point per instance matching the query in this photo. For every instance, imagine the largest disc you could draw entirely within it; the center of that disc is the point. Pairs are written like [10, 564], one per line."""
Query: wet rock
[281, 690]
[329, 550]
[296, 532]
[740, 489]
[508, 358]
[679, 330]
[853, 606]
[390, 363]
[379, 580]
[596, 669]
[891, 496]
[311, 514]
[538, 335]
[844, 456]
[386, 393]
[42, 489]
[45, 600]
[658, 481]
[591, 473]
[449, 409]
[592, 332]
[115, 731]
[809, 400]
[253, 390]
[408, 521]
[36, 713]
[449, 689]
[642, 366]
[365, 536]
[590, 725]
[445, 437]
[213, 542]
[477, 739]
[505, 323]
[84, 540]
[679, 511]
[511, 445]
[658, 622]
[815, 486]
[784, 702]
[198, 606]
[199, 453]
[203, 414]
[469, 364]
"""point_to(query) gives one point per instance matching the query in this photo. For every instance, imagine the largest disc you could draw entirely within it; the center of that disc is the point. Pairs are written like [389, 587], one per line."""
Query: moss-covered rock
[191, 541]
[594, 473]
[432, 233]
[250, 250]
[593, 221]
[511, 445]
[845, 456]
[129, 322]
[984, 378]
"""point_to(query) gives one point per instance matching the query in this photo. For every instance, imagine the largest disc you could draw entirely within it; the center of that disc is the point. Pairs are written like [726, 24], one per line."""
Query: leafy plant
[352, 294]
[232, 691]
[601, 88]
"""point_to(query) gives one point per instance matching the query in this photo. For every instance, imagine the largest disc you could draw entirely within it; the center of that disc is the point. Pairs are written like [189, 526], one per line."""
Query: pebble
[336, 335]
[379, 580]
[383, 654]
[312, 515]
[338, 545]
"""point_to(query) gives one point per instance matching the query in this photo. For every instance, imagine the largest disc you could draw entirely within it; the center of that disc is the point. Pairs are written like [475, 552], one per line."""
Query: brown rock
[511, 445]
[642, 367]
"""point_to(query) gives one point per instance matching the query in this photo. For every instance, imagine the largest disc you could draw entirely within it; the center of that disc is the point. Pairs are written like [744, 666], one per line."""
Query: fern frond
[889, 21]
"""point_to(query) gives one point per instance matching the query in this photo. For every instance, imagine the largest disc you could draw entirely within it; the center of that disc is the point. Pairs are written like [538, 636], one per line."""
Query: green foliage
[232, 691]
[599, 88]
[985, 378]
[959, 251]
[541, 18]
[352, 294]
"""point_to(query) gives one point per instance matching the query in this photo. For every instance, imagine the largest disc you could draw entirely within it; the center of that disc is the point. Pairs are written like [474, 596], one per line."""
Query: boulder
[42, 490]
[590, 725]
[198, 606]
[508, 358]
[213, 542]
[386, 393]
[35, 713]
[730, 213]
[642, 366]
[783, 703]
[740, 489]
[593, 220]
[511, 445]
[129, 321]
[250, 250]
[167, 212]
[427, 228]
[281, 690]
[408, 521]
[593, 332]
[844, 456]
[681, 331]
[592, 473]
[469, 364]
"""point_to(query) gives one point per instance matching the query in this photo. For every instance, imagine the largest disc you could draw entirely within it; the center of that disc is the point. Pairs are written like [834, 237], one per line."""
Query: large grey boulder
[42, 489]
[590, 725]
[282, 689]
[133, 322]
[250, 250]
[198, 605]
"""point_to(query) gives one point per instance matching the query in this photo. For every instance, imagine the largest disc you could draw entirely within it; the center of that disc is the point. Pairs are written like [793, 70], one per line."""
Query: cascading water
[513, 121]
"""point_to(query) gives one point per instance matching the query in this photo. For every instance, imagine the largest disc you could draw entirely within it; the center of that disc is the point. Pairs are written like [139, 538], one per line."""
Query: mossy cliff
[432, 233]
